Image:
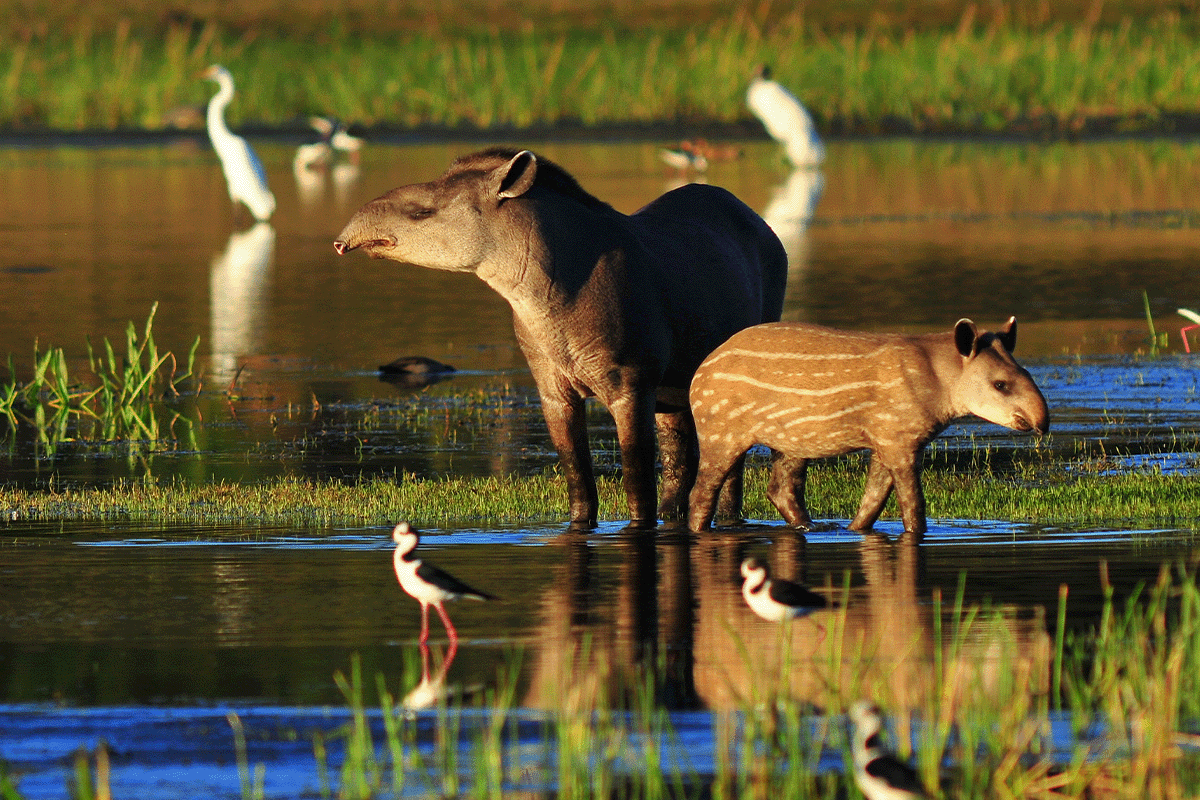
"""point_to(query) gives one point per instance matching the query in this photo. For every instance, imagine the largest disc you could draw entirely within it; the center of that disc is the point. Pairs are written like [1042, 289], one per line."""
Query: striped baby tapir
[810, 392]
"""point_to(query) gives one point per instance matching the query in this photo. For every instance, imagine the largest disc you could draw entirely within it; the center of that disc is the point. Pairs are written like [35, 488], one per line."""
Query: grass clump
[117, 402]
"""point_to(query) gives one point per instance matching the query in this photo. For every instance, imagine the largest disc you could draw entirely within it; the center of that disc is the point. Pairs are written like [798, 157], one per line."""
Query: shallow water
[146, 636]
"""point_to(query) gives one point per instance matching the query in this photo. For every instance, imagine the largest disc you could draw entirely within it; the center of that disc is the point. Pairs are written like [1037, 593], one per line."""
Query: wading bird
[878, 773]
[244, 174]
[427, 584]
[774, 599]
[333, 131]
[786, 119]
[1188, 314]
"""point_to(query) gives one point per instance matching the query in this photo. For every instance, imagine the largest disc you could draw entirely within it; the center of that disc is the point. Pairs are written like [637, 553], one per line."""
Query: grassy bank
[1076, 498]
[999, 72]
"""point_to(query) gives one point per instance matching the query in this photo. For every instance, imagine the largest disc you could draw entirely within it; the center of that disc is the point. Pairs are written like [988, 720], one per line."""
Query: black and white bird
[786, 119]
[879, 774]
[427, 584]
[774, 599]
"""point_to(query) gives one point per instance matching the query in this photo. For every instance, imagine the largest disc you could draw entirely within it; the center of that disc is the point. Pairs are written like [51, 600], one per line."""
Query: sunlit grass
[1143, 498]
[979, 76]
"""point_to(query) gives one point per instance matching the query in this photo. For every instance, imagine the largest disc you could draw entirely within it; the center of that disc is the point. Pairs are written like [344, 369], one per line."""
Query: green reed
[977, 76]
[116, 402]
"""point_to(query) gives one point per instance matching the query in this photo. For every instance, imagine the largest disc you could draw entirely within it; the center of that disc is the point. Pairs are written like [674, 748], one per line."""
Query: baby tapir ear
[965, 335]
[1008, 334]
[517, 175]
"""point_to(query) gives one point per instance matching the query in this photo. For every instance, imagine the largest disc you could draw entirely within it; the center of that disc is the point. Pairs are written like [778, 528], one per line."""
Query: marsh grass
[120, 400]
[1073, 497]
[981, 74]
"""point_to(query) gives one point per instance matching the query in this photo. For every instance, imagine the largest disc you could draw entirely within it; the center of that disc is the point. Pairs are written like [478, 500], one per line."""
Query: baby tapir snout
[811, 392]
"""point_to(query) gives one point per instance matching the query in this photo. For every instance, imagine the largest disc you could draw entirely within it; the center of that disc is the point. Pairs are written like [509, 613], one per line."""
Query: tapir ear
[517, 175]
[965, 335]
[1008, 334]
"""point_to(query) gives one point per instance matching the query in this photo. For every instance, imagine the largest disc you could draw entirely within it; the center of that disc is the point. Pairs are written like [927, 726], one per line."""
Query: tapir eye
[420, 213]
[1001, 386]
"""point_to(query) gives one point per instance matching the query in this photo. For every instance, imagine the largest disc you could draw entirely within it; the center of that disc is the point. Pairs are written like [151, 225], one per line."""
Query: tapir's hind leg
[680, 454]
[634, 418]
[729, 502]
[786, 489]
[714, 467]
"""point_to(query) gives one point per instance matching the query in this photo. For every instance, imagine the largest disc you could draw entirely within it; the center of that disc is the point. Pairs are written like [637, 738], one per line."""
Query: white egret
[786, 119]
[244, 174]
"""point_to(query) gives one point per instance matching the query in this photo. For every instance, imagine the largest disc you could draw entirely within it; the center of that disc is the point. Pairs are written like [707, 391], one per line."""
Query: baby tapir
[811, 392]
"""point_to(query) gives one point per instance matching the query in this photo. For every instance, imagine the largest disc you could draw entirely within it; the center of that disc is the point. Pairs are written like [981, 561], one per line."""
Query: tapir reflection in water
[811, 392]
[618, 307]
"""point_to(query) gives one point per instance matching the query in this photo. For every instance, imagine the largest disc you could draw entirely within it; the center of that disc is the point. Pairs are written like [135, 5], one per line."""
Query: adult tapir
[618, 307]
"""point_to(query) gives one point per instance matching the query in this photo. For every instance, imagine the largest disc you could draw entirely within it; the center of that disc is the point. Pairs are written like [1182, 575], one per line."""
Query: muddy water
[893, 235]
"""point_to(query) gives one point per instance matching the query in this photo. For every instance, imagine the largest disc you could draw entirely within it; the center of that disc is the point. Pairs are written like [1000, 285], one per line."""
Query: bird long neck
[216, 111]
[754, 583]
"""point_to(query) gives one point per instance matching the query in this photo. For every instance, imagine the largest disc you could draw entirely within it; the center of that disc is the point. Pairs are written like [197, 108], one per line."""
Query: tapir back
[815, 391]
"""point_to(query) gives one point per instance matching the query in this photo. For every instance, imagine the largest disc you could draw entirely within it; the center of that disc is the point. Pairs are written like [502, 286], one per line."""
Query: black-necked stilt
[1188, 314]
[774, 599]
[878, 773]
[786, 119]
[426, 583]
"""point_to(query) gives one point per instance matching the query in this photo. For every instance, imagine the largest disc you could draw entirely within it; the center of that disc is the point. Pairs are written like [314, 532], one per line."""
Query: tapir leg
[875, 495]
[729, 503]
[909, 494]
[680, 454]
[715, 466]
[568, 430]
[634, 418]
[786, 489]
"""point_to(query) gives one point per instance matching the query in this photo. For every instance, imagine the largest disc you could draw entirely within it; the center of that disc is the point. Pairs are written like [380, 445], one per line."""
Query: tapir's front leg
[568, 430]
[633, 414]
[875, 495]
[910, 497]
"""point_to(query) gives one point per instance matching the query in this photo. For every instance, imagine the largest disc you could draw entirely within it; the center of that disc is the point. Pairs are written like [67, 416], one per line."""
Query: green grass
[1076, 497]
[981, 74]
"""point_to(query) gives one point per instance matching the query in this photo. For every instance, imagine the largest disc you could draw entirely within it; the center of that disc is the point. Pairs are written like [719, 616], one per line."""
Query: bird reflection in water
[238, 284]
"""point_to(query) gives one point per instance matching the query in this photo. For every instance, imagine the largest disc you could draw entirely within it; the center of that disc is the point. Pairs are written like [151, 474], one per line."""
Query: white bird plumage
[427, 584]
[879, 774]
[244, 173]
[785, 119]
[774, 599]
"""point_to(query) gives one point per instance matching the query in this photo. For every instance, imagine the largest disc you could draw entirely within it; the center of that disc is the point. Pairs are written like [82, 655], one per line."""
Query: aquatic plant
[118, 402]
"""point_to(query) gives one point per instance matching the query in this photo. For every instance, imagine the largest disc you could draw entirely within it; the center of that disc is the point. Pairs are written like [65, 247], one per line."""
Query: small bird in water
[786, 119]
[244, 173]
[427, 584]
[1193, 317]
[775, 599]
[878, 773]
